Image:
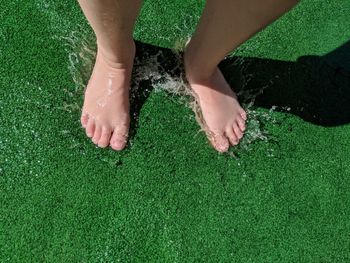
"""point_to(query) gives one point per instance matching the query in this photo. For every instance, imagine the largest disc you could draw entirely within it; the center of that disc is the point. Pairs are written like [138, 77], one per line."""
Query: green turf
[170, 197]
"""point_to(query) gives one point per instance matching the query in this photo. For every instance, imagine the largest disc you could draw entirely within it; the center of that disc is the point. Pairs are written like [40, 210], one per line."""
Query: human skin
[223, 26]
[105, 113]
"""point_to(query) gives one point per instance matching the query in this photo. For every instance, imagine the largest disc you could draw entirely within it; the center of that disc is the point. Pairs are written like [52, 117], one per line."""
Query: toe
[84, 119]
[220, 143]
[97, 134]
[237, 131]
[243, 114]
[90, 127]
[105, 137]
[241, 124]
[231, 136]
[119, 138]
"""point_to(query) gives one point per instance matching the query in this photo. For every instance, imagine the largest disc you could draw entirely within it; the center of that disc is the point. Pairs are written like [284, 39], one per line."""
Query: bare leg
[106, 104]
[224, 25]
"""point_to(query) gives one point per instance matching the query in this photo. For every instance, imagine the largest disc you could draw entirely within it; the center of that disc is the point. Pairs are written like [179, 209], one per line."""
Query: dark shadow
[315, 88]
[167, 61]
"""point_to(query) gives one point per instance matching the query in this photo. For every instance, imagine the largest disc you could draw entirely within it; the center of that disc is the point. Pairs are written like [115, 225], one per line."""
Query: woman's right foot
[105, 114]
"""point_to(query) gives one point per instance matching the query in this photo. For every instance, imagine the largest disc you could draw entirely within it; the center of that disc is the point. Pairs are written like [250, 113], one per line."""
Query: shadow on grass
[315, 88]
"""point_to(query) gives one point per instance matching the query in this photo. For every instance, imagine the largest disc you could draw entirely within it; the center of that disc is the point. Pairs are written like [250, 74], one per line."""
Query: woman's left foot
[222, 113]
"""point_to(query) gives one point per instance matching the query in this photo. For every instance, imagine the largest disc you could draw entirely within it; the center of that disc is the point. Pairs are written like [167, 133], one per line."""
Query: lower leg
[105, 114]
[224, 25]
[113, 22]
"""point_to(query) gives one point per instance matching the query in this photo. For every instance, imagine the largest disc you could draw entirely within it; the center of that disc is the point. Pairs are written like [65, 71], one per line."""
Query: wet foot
[105, 114]
[221, 111]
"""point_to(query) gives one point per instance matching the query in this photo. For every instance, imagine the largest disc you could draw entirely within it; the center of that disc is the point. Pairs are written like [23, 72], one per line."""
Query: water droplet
[110, 88]
[102, 102]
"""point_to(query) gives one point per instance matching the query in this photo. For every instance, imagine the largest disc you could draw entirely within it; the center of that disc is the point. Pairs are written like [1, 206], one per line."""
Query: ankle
[120, 57]
[195, 71]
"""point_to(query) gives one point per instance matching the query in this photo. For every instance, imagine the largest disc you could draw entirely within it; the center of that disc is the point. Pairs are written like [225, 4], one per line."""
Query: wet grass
[282, 196]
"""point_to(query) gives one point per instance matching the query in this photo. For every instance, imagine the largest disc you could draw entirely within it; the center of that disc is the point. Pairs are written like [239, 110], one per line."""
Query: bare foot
[105, 114]
[222, 113]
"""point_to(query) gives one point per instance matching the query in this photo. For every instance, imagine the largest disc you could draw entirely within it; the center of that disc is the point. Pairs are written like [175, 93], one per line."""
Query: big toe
[220, 142]
[119, 138]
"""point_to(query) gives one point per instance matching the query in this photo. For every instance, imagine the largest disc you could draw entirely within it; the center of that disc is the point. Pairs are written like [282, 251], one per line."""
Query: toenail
[222, 148]
[118, 144]
[119, 148]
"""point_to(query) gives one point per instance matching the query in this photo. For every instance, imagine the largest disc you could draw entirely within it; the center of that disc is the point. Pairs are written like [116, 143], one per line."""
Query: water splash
[80, 46]
[102, 102]
[162, 80]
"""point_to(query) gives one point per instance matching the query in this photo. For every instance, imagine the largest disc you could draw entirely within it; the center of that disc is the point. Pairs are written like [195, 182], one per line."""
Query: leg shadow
[158, 60]
[315, 88]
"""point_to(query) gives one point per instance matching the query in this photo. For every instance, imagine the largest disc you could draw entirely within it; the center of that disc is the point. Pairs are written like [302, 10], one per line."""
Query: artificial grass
[170, 197]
